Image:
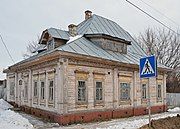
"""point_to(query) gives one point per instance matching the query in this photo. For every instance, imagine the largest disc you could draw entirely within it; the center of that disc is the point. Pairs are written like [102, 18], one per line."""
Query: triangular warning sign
[147, 68]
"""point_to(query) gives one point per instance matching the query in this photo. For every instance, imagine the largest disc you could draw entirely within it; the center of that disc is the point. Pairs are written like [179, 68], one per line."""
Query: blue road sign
[148, 67]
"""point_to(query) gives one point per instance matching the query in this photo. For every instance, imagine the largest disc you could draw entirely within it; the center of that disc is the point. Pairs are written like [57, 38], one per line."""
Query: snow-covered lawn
[11, 120]
[124, 123]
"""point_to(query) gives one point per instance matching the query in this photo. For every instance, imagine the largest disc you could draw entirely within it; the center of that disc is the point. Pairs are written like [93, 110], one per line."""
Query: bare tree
[31, 48]
[166, 46]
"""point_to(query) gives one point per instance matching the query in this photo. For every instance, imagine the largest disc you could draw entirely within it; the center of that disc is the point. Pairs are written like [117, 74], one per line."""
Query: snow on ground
[124, 123]
[4, 105]
[136, 122]
[176, 109]
[11, 120]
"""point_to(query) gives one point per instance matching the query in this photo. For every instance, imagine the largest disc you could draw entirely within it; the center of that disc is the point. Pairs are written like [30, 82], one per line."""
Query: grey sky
[22, 20]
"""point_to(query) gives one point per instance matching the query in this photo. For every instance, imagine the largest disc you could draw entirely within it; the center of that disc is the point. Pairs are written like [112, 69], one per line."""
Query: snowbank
[11, 120]
[176, 109]
[4, 105]
[134, 122]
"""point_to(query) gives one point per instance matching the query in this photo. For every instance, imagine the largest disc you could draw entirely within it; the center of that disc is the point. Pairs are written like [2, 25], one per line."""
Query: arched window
[20, 82]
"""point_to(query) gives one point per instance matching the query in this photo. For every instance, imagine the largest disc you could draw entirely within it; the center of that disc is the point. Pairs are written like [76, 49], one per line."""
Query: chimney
[72, 30]
[88, 14]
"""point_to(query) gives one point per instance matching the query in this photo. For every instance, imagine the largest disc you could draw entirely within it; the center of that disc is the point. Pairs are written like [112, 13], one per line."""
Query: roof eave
[108, 37]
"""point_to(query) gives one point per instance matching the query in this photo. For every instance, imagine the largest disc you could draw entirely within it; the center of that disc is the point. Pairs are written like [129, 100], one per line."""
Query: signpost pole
[149, 104]
[148, 69]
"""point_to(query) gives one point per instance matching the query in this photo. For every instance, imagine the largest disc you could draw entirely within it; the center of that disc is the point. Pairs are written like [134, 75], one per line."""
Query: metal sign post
[149, 103]
[148, 69]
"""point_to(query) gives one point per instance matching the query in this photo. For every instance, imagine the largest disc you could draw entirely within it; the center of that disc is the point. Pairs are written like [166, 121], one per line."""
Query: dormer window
[110, 43]
[50, 44]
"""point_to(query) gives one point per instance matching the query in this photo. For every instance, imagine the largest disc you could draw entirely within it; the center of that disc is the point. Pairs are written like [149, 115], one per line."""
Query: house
[88, 73]
[3, 89]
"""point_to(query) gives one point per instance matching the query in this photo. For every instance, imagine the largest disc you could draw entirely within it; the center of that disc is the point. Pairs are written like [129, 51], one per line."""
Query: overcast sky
[21, 21]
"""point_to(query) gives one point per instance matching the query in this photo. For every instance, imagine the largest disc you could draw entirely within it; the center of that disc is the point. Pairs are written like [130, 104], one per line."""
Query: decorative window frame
[51, 102]
[120, 91]
[144, 82]
[99, 77]
[51, 77]
[52, 46]
[99, 102]
[159, 82]
[26, 84]
[81, 76]
[125, 77]
[12, 89]
[35, 97]
[42, 100]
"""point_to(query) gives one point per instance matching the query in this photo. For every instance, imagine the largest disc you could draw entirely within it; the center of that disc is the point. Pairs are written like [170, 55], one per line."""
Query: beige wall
[65, 78]
[111, 88]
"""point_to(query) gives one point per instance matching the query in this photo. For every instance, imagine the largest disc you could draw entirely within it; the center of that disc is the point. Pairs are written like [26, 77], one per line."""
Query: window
[81, 91]
[124, 91]
[20, 82]
[144, 92]
[12, 85]
[159, 92]
[99, 91]
[51, 90]
[35, 89]
[25, 89]
[51, 44]
[42, 90]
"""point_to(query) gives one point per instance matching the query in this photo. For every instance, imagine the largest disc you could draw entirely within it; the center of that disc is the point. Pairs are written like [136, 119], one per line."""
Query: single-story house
[88, 73]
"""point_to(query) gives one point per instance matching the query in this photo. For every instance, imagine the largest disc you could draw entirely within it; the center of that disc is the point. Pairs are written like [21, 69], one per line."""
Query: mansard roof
[96, 25]
[83, 46]
[100, 25]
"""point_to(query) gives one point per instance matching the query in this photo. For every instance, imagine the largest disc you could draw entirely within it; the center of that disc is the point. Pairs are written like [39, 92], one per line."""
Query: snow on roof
[74, 38]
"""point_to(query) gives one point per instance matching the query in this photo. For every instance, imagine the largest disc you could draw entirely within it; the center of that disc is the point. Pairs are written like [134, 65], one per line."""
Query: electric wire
[152, 17]
[7, 49]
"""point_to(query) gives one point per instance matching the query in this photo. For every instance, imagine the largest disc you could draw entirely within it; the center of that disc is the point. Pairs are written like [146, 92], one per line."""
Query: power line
[6, 48]
[160, 13]
[151, 16]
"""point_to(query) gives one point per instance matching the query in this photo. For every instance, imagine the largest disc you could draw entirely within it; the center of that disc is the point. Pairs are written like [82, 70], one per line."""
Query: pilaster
[90, 90]
[115, 88]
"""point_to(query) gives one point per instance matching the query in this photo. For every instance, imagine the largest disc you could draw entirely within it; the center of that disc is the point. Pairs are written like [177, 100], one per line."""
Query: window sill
[144, 101]
[81, 105]
[25, 100]
[100, 103]
[42, 102]
[159, 100]
[34, 102]
[125, 102]
[51, 104]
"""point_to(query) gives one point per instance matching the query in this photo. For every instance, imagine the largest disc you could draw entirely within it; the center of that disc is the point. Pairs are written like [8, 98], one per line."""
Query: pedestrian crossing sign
[148, 67]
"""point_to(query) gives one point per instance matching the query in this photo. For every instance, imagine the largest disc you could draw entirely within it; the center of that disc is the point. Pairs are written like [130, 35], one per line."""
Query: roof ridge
[57, 29]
